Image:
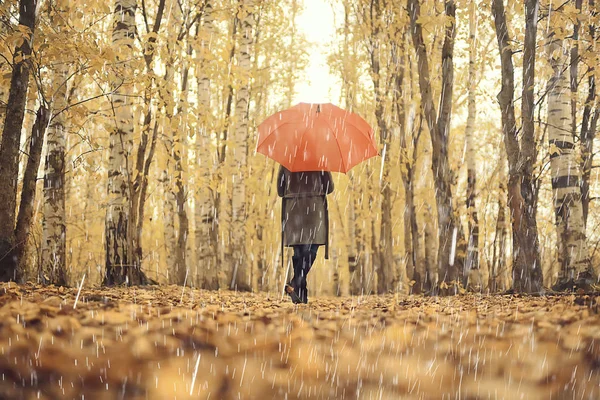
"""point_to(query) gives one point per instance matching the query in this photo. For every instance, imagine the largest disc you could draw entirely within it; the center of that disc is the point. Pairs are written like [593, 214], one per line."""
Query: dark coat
[305, 216]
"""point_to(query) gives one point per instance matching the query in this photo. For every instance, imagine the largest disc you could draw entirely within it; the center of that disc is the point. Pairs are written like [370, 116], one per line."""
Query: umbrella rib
[336, 142]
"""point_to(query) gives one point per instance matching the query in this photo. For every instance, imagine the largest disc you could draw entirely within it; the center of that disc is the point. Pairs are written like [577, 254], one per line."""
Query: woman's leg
[309, 255]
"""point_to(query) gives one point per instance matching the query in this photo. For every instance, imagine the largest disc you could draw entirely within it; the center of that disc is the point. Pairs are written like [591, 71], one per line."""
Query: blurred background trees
[486, 113]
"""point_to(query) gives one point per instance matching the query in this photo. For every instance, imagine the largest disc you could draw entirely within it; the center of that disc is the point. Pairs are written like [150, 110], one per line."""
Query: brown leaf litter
[165, 342]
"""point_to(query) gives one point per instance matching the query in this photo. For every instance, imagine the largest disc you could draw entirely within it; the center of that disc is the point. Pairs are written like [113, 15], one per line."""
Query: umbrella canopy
[316, 137]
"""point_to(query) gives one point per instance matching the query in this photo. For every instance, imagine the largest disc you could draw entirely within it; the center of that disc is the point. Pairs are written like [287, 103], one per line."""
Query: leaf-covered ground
[170, 343]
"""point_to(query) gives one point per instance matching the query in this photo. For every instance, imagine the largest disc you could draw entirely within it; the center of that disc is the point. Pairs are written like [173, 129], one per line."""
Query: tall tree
[439, 130]
[386, 276]
[26, 205]
[11, 136]
[572, 248]
[408, 155]
[240, 278]
[472, 261]
[53, 263]
[148, 137]
[356, 267]
[179, 155]
[521, 154]
[53, 266]
[589, 120]
[120, 261]
[205, 205]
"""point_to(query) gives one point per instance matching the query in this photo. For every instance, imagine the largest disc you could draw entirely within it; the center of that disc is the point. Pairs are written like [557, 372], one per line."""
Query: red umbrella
[316, 137]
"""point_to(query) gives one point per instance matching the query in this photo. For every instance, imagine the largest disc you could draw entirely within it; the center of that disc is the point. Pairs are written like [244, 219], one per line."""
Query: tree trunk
[240, 279]
[527, 272]
[411, 235]
[179, 154]
[588, 130]
[206, 231]
[472, 261]
[26, 206]
[411, 212]
[588, 133]
[121, 266]
[373, 259]
[431, 272]
[439, 128]
[355, 268]
[498, 278]
[147, 144]
[573, 255]
[53, 266]
[386, 276]
[356, 265]
[11, 135]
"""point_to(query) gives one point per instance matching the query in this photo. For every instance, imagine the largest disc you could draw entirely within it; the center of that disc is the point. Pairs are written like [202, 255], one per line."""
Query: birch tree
[120, 265]
[241, 275]
[572, 247]
[205, 206]
[472, 261]
[54, 225]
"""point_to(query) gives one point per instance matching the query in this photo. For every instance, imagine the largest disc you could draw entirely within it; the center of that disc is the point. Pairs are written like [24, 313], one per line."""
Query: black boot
[293, 291]
[304, 295]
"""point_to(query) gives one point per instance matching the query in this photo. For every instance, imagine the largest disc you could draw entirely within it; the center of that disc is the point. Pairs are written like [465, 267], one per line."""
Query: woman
[305, 222]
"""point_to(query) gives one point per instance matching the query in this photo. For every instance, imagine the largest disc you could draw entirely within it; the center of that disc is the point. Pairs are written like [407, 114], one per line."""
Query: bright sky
[317, 23]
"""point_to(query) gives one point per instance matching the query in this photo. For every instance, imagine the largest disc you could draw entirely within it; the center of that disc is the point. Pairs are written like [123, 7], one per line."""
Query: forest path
[168, 343]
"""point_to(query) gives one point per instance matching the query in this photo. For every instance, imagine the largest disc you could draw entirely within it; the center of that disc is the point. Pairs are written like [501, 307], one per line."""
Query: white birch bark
[565, 168]
[118, 251]
[472, 261]
[205, 233]
[240, 276]
[53, 222]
